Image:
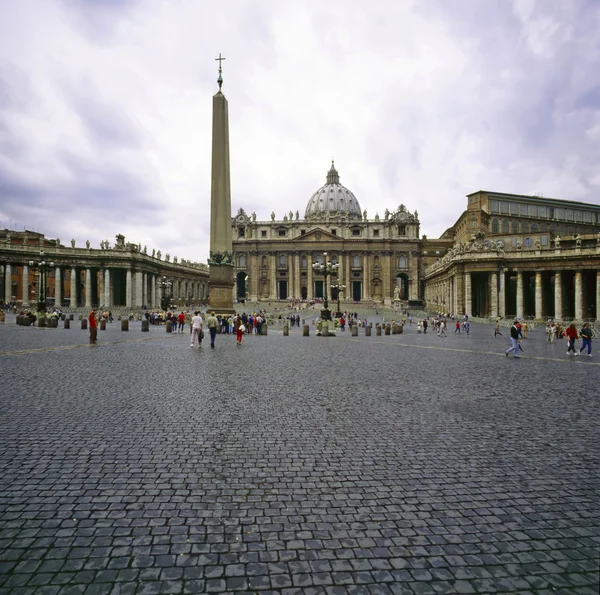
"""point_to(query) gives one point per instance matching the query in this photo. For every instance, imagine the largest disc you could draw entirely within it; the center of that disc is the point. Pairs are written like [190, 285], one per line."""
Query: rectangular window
[263, 233]
[578, 216]
[527, 242]
[402, 230]
[334, 232]
[560, 214]
[356, 232]
[282, 233]
[543, 212]
[523, 209]
[494, 207]
[375, 233]
[514, 208]
[587, 216]
[241, 232]
[302, 232]
[532, 210]
[504, 207]
[550, 212]
[544, 240]
[569, 214]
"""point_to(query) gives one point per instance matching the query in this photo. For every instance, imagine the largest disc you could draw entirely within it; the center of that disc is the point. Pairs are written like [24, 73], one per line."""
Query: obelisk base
[221, 288]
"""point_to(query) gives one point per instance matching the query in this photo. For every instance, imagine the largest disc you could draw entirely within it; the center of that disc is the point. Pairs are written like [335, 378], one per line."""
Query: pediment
[317, 235]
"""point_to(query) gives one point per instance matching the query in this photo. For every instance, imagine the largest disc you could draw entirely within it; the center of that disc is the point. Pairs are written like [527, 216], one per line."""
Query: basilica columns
[273, 275]
[7, 283]
[138, 290]
[88, 288]
[558, 305]
[494, 294]
[598, 295]
[309, 278]
[578, 296]
[367, 278]
[25, 285]
[538, 296]
[57, 287]
[73, 293]
[153, 291]
[519, 295]
[128, 289]
[502, 295]
[468, 297]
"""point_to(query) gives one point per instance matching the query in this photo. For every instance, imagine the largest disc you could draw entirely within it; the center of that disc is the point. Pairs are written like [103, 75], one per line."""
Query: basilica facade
[377, 258]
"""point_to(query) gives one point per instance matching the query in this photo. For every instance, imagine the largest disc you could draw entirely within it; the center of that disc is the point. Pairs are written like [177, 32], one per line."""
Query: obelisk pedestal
[221, 246]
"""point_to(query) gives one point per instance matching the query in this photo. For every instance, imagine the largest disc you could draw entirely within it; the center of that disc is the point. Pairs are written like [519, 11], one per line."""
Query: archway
[402, 284]
[240, 280]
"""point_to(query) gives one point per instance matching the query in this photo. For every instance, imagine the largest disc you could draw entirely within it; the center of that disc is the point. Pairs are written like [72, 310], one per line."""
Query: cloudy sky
[105, 109]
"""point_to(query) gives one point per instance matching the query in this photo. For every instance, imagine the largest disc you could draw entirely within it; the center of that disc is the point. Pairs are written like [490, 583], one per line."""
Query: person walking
[442, 329]
[93, 325]
[514, 340]
[239, 328]
[425, 326]
[497, 328]
[586, 339]
[196, 328]
[572, 335]
[181, 321]
[457, 328]
[212, 323]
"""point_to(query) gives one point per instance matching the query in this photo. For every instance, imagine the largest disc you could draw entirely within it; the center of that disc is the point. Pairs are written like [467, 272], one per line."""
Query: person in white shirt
[196, 328]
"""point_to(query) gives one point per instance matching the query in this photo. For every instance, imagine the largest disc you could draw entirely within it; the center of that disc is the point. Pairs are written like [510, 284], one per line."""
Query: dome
[333, 198]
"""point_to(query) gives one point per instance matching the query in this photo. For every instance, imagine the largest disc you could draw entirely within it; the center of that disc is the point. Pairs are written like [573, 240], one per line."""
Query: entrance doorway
[241, 278]
[319, 289]
[283, 292]
[303, 293]
[402, 284]
[356, 290]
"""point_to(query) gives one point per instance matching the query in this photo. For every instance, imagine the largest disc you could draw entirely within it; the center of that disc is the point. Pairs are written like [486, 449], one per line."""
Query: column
[367, 278]
[538, 296]
[57, 287]
[558, 307]
[107, 294]
[502, 295]
[73, 294]
[153, 290]
[145, 290]
[468, 298]
[273, 275]
[598, 295]
[347, 276]
[494, 295]
[7, 283]
[309, 277]
[88, 288]
[578, 297]
[297, 277]
[519, 295]
[128, 291]
[138, 290]
[25, 285]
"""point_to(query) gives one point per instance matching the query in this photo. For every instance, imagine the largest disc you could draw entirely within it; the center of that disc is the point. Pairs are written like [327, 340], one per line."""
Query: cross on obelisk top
[220, 79]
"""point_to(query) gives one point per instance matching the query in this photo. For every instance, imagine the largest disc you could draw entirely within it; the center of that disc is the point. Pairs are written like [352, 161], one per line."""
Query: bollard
[70, 316]
[400, 329]
[19, 320]
[169, 326]
[84, 324]
[63, 316]
[388, 329]
[124, 324]
[286, 330]
[370, 324]
[303, 321]
[354, 330]
[67, 323]
[325, 329]
[81, 317]
[394, 329]
[145, 326]
[263, 328]
[368, 331]
[306, 330]
[378, 331]
[102, 324]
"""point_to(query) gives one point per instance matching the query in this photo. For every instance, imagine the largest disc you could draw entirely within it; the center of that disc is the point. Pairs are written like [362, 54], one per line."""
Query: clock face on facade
[241, 218]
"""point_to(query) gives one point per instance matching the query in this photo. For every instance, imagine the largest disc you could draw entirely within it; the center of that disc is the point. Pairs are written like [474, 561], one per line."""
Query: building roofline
[539, 198]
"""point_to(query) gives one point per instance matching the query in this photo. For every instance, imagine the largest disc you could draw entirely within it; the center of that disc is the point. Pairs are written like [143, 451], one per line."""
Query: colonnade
[560, 294]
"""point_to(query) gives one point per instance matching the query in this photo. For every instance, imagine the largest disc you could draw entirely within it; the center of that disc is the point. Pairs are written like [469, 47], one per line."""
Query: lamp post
[165, 284]
[340, 288]
[42, 267]
[326, 268]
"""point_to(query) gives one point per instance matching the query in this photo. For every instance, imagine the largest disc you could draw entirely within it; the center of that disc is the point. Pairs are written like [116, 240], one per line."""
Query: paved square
[400, 464]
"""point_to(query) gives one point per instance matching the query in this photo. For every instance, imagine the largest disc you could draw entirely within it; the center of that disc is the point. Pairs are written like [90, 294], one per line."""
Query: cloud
[105, 109]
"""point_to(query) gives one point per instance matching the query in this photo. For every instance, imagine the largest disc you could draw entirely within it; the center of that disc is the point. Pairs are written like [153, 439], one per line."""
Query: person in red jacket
[571, 336]
[92, 323]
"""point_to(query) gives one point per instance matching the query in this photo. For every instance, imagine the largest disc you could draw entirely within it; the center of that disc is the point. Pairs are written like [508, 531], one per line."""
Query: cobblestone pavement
[401, 464]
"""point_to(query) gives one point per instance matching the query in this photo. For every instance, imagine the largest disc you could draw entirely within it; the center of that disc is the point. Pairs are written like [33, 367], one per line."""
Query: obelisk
[221, 247]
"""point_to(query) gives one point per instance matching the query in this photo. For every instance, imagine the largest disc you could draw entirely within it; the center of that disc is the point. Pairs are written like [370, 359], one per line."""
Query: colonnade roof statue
[333, 198]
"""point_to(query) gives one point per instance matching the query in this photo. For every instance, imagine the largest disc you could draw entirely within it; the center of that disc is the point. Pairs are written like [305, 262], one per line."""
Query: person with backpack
[586, 339]
[514, 340]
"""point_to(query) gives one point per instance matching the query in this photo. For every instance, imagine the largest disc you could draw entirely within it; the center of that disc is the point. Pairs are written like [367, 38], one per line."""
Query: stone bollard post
[306, 330]
[371, 324]
[388, 329]
[81, 317]
[303, 321]
[263, 328]
[355, 331]
[71, 317]
[394, 329]
[400, 329]
[102, 324]
[368, 331]
[169, 326]
[18, 320]
[67, 323]
[325, 329]
[378, 331]
[286, 330]
[145, 326]
[63, 316]
[84, 324]
[124, 324]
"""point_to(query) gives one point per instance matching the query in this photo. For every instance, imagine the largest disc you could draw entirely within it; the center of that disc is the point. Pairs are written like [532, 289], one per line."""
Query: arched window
[515, 227]
[495, 226]
[356, 261]
[524, 227]
[402, 262]
[376, 262]
[334, 258]
[282, 260]
[242, 261]
[534, 228]
[505, 227]
[264, 262]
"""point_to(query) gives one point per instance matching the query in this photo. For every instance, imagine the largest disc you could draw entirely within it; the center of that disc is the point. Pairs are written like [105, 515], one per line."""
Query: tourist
[525, 330]
[571, 337]
[457, 328]
[93, 324]
[467, 327]
[239, 329]
[425, 326]
[196, 328]
[586, 339]
[181, 320]
[514, 340]
[442, 329]
[212, 323]
[497, 328]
